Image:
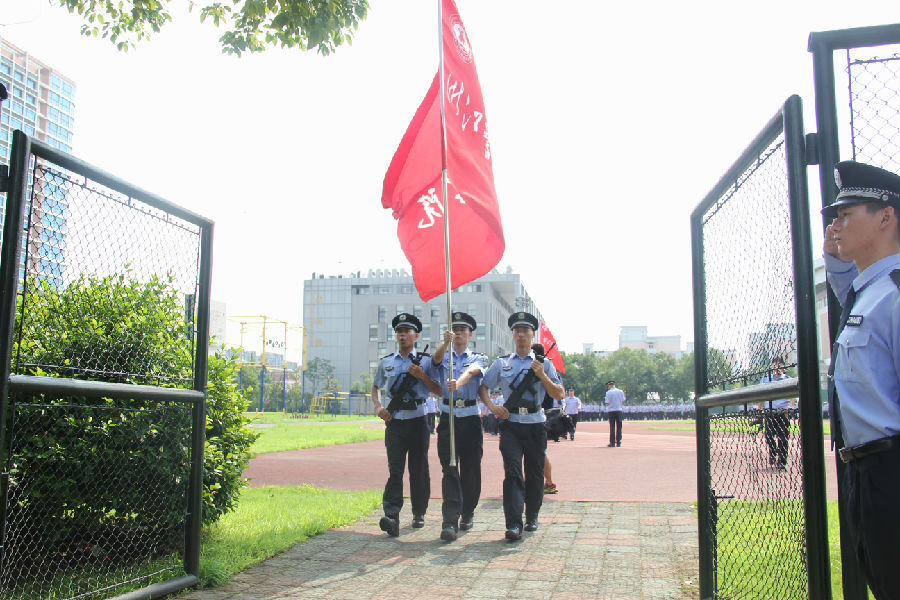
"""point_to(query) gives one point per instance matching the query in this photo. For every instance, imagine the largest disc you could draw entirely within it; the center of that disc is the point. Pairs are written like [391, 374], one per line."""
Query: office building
[348, 318]
[636, 337]
[41, 103]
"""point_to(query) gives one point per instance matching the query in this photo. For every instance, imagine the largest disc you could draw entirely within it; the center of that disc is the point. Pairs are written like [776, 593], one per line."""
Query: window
[406, 289]
[382, 314]
[360, 290]
[479, 332]
[373, 333]
[426, 333]
[382, 348]
[400, 308]
[435, 312]
[384, 289]
[417, 311]
[472, 309]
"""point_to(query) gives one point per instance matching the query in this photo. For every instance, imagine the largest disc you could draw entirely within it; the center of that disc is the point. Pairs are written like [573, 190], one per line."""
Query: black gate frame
[788, 119]
[15, 184]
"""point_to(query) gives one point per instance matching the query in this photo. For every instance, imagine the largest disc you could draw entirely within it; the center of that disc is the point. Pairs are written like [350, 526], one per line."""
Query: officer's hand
[830, 246]
[451, 385]
[448, 337]
[383, 413]
[537, 367]
[501, 412]
[416, 371]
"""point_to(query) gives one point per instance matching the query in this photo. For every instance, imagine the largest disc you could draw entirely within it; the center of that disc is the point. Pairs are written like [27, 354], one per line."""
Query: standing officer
[572, 407]
[862, 260]
[461, 484]
[777, 420]
[406, 435]
[615, 402]
[522, 433]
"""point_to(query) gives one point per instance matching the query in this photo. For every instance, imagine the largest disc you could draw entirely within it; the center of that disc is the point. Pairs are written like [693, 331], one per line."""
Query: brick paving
[583, 550]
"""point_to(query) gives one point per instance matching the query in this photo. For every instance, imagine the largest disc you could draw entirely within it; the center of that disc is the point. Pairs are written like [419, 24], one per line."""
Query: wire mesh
[874, 86]
[96, 496]
[757, 519]
[749, 279]
[99, 271]
[757, 504]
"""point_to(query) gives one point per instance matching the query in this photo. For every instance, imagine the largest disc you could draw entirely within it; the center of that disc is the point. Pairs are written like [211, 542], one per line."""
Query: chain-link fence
[874, 86]
[102, 429]
[754, 359]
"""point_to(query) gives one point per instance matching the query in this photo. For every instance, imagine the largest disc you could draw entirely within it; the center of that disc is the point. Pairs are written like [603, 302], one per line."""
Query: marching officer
[461, 484]
[523, 439]
[403, 380]
[862, 261]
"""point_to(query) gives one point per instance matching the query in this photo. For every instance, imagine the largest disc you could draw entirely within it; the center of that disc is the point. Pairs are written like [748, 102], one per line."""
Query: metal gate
[761, 494]
[104, 305]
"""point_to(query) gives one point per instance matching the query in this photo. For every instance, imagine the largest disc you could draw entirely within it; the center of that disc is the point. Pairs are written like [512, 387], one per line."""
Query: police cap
[522, 319]
[610, 382]
[408, 321]
[461, 319]
[858, 182]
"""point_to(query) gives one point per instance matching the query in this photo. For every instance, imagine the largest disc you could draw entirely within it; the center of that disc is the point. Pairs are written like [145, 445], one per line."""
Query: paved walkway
[583, 550]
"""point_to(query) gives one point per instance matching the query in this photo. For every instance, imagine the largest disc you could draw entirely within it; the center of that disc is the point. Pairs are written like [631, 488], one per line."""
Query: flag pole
[446, 225]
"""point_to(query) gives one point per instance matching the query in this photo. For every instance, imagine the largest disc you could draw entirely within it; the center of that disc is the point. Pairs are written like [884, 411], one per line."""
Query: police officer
[461, 483]
[523, 438]
[777, 420]
[572, 405]
[406, 436]
[862, 261]
[615, 404]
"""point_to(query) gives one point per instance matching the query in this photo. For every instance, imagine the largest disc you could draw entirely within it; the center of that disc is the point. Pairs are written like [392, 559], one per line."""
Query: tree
[252, 25]
[319, 370]
[364, 385]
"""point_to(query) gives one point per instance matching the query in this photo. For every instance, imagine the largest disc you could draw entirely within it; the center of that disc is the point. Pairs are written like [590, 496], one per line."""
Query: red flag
[412, 184]
[547, 340]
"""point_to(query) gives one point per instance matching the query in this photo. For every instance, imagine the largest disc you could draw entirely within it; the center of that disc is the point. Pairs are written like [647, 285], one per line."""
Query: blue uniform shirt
[867, 357]
[504, 370]
[469, 391]
[389, 370]
[781, 403]
[615, 399]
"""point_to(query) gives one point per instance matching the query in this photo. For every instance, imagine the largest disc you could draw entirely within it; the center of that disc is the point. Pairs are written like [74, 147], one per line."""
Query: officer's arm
[419, 373]
[376, 400]
[438, 356]
[500, 412]
[470, 372]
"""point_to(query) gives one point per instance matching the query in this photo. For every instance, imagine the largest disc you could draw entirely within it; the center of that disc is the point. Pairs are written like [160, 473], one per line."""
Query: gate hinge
[812, 149]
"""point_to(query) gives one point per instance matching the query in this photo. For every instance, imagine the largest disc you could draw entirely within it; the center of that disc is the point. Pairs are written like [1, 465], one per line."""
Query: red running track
[654, 463]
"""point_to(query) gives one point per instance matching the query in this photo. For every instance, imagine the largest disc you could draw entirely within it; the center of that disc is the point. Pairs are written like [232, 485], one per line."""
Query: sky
[609, 123]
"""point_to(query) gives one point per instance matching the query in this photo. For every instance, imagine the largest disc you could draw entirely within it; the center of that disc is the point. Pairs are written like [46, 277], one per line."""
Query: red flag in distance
[547, 340]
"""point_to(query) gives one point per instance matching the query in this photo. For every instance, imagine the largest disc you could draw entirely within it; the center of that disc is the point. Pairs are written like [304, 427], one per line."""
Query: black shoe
[618, 444]
[448, 533]
[531, 525]
[610, 445]
[514, 533]
[418, 521]
[465, 522]
[390, 525]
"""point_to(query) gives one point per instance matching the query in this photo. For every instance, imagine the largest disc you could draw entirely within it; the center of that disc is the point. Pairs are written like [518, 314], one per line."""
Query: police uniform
[406, 436]
[573, 407]
[460, 484]
[777, 424]
[865, 378]
[615, 400]
[523, 438]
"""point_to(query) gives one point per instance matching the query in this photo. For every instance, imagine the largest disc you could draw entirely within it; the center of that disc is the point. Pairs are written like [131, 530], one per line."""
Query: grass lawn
[268, 520]
[277, 418]
[281, 437]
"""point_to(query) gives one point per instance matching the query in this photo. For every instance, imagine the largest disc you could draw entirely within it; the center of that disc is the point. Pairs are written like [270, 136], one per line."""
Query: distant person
[862, 263]
[572, 406]
[777, 419]
[615, 403]
[431, 411]
[406, 436]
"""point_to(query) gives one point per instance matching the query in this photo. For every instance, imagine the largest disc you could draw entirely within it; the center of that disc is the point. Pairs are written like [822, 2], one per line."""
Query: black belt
[525, 410]
[873, 447]
[456, 402]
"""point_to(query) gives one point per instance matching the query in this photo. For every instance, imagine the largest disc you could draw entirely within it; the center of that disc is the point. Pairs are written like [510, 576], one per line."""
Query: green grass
[277, 418]
[315, 435]
[268, 520]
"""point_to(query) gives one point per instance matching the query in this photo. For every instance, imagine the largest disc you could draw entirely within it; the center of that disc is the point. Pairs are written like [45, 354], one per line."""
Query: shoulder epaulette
[505, 355]
[386, 356]
[895, 276]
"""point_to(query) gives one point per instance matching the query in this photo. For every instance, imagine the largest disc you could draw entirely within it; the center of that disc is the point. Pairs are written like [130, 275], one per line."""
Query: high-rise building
[42, 104]
[348, 318]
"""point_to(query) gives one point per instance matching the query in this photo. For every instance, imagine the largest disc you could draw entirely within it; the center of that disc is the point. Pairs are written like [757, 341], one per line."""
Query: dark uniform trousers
[407, 441]
[777, 426]
[615, 426]
[872, 490]
[522, 442]
[461, 485]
